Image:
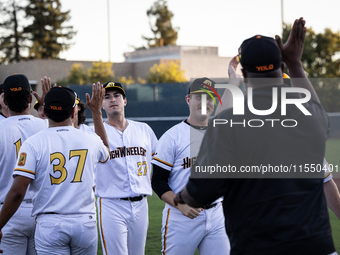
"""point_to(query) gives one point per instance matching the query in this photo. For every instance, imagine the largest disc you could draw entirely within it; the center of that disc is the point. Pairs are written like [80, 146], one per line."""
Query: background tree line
[321, 61]
[102, 71]
[31, 29]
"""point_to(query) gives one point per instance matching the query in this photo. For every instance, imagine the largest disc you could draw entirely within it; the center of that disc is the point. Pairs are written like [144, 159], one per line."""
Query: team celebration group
[61, 179]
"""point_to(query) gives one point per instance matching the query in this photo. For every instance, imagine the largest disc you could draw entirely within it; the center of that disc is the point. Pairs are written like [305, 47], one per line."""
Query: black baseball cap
[59, 103]
[36, 105]
[115, 86]
[16, 83]
[200, 85]
[1, 88]
[259, 54]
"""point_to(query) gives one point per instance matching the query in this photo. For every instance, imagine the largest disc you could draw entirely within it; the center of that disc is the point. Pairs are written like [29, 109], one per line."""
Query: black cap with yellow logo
[114, 85]
[259, 54]
[200, 85]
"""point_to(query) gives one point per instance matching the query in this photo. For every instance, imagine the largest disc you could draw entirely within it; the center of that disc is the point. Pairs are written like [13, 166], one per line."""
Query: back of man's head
[260, 56]
[59, 103]
[17, 91]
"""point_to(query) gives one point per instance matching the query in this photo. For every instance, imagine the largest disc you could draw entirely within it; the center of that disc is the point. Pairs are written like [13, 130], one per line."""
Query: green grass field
[153, 241]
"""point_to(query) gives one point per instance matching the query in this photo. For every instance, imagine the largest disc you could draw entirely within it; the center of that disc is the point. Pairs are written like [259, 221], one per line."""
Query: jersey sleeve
[103, 154]
[165, 153]
[154, 141]
[327, 171]
[26, 162]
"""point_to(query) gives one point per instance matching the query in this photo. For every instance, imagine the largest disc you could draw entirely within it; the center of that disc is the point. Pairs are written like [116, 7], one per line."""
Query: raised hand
[232, 68]
[95, 103]
[293, 48]
[45, 86]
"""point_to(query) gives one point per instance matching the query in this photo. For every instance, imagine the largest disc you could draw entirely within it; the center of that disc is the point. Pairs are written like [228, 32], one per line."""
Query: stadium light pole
[108, 27]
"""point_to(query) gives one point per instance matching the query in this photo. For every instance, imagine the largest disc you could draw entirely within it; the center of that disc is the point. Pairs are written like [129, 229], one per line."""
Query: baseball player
[123, 182]
[18, 234]
[79, 118]
[59, 164]
[3, 107]
[330, 189]
[185, 228]
[40, 109]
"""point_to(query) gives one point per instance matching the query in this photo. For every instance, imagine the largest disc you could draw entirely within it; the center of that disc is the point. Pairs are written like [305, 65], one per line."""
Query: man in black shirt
[285, 213]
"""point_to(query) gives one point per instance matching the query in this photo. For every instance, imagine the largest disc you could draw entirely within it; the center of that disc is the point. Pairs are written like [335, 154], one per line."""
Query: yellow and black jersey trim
[24, 170]
[153, 153]
[162, 161]
[327, 175]
[166, 232]
[105, 159]
[101, 225]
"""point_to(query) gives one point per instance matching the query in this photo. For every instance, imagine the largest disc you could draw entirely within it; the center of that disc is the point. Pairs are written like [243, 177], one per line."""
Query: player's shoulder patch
[22, 159]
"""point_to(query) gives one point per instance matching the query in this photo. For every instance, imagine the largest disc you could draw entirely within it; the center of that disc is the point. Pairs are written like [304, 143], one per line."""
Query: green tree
[77, 75]
[321, 51]
[100, 71]
[125, 80]
[12, 39]
[166, 73]
[164, 33]
[321, 59]
[47, 32]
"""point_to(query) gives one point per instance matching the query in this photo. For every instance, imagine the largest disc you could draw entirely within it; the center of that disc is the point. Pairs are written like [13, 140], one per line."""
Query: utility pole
[282, 21]
[108, 27]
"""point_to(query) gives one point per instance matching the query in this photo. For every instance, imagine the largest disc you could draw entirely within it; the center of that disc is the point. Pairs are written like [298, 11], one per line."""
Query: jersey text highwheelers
[127, 172]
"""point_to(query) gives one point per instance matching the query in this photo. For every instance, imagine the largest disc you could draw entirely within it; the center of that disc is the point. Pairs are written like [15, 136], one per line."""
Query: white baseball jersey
[14, 131]
[2, 117]
[86, 128]
[61, 162]
[127, 172]
[176, 151]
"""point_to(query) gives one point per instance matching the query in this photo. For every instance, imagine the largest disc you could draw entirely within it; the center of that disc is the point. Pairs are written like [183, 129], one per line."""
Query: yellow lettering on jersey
[58, 168]
[140, 165]
[18, 146]
[81, 163]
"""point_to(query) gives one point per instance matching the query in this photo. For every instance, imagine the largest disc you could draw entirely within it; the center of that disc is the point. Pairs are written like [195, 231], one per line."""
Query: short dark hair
[18, 102]
[81, 113]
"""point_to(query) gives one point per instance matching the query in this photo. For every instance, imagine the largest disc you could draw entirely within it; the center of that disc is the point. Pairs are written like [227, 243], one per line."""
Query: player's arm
[13, 199]
[291, 55]
[332, 197]
[234, 79]
[95, 103]
[162, 189]
[184, 197]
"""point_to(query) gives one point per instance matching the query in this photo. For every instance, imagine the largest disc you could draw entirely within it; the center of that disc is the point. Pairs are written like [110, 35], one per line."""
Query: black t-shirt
[277, 215]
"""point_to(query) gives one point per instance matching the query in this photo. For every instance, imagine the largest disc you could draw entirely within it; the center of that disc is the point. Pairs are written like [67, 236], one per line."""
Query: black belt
[209, 206]
[133, 199]
[26, 201]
